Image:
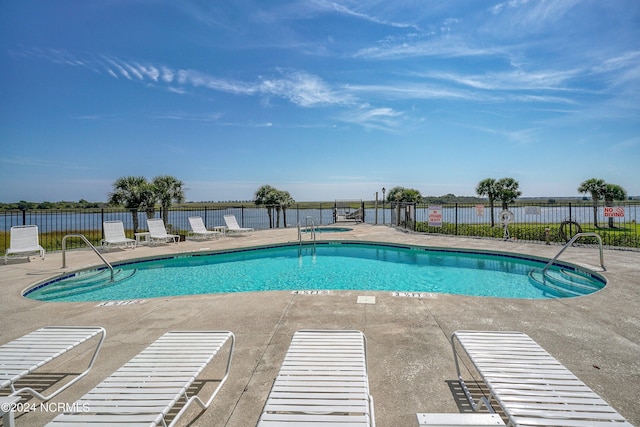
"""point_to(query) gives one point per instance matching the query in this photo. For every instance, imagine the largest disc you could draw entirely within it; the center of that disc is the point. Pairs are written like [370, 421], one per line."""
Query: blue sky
[325, 99]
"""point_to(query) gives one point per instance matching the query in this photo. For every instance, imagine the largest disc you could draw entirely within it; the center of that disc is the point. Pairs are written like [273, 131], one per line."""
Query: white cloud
[344, 10]
[385, 119]
[446, 47]
[302, 89]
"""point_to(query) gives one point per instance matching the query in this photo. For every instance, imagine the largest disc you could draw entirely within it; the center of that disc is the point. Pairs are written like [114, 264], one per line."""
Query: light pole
[383, 201]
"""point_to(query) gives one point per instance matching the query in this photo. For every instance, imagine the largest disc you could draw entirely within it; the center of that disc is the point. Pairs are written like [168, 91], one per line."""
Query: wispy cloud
[520, 137]
[623, 69]
[344, 10]
[298, 87]
[627, 146]
[413, 90]
[533, 14]
[30, 162]
[511, 80]
[445, 47]
[212, 117]
[303, 89]
[385, 119]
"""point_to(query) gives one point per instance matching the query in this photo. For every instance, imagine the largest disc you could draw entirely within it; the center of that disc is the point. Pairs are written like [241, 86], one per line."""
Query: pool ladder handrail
[313, 235]
[572, 241]
[64, 248]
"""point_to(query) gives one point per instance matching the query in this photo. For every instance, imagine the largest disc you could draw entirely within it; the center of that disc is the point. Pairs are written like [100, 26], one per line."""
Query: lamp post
[383, 201]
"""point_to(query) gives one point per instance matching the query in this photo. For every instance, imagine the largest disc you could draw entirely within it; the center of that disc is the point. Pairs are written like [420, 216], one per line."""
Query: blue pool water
[330, 266]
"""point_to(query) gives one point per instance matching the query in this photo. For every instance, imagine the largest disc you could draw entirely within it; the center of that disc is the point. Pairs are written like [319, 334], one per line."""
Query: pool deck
[410, 362]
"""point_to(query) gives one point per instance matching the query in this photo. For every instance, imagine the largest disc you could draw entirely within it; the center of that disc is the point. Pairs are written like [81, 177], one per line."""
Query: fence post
[24, 217]
[102, 221]
[456, 218]
[570, 215]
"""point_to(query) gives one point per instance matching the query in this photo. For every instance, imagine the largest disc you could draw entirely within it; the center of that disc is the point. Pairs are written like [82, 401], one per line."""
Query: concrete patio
[411, 368]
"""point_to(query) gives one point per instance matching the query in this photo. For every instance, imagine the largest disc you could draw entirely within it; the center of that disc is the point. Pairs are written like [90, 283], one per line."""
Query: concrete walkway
[411, 367]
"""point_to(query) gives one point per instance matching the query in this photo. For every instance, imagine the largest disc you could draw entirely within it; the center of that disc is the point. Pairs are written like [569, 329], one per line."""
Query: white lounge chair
[26, 354]
[145, 389]
[24, 240]
[158, 233]
[114, 235]
[323, 381]
[199, 230]
[232, 225]
[530, 385]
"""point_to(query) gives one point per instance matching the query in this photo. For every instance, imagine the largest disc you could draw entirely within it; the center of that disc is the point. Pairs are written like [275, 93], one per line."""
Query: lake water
[257, 217]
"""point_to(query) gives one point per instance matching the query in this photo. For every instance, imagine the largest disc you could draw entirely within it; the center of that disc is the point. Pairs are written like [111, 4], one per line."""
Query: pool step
[81, 279]
[563, 283]
[82, 283]
[580, 279]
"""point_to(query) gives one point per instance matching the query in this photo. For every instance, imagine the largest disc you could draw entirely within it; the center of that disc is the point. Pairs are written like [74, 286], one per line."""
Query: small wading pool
[325, 266]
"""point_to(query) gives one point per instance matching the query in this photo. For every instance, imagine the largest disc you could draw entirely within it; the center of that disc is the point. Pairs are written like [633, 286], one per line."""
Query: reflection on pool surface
[323, 266]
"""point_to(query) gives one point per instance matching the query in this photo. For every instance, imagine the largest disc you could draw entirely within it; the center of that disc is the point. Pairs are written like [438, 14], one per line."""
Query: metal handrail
[572, 241]
[64, 246]
[313, 236]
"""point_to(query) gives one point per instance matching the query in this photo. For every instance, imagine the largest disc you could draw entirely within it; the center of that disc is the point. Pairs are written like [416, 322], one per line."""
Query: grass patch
[628, 236]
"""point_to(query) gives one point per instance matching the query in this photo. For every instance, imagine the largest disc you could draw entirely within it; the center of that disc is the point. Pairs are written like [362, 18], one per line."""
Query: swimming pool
[324, 266]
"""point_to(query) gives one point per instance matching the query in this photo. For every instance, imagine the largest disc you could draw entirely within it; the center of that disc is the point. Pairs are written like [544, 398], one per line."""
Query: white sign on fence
[532, 210]
[479, 210]
[435, 216]
[614, 212]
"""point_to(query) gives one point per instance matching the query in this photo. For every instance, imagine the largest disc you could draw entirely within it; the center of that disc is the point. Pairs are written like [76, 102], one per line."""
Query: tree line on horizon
[141, 195]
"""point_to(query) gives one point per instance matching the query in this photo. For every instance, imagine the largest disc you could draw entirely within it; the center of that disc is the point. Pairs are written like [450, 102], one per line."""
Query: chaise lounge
[233, 226]
[30, 352]
[146, 388]
[530, 385]
[199, 230]
[24, 241]
[114, 235]
[158, 233]
[323, 381]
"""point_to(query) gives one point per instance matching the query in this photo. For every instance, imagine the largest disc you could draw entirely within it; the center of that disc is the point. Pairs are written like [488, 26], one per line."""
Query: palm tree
[596, 187]
[610, 193]
[148, 201]
[167, 189]
[132, 192]
[487, 187]
[266, 196]
[401, 194]
[507, 191]
[284, 200]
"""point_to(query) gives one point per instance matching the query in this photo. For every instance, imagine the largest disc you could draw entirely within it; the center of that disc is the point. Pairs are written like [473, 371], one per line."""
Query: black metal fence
[552, 223]
[53, 225]
[618, 225]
